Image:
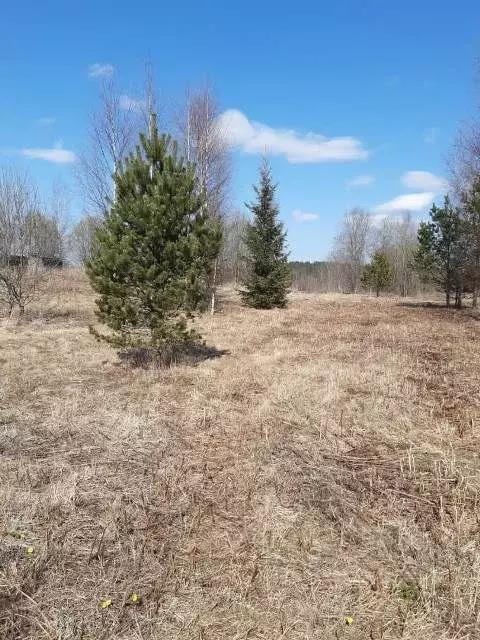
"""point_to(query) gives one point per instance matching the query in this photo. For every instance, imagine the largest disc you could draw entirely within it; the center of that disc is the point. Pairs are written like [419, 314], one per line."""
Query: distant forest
[314, 276]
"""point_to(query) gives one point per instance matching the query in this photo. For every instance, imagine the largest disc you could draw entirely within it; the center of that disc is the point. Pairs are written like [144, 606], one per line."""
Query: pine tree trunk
[447, 298]
[475, 298]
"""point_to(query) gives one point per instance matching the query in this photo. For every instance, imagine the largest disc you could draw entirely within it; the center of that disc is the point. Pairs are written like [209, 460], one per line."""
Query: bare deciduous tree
[23, 232]
[204, 144]
[351, 247]
[46, 238]
[231, 259]
[463, 162]
[53, 223]
[398, 240]
[463, 166]
[82, 238]
[112, 134]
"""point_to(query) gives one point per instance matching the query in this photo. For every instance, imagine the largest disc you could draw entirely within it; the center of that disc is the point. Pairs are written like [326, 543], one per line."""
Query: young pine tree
[378, 275]
[155, 250]
[441, 255]
[267, 270]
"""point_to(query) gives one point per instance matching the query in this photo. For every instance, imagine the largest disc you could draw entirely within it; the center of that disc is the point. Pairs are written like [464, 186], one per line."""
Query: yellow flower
[349, 620]
[29, 550]
[134, 597]
[105, 604]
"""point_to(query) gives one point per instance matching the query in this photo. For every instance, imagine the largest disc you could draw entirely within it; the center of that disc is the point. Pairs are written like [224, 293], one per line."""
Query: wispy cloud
[407, 202]
[131, 104]
[57, 154]
[100, 70]
[423, 180]
[302, 216]
[45, 122]
[257, 138]
[430, 135]
[361, 181]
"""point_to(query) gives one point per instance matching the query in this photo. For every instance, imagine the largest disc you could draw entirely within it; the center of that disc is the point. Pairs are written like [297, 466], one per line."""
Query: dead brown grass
[325, 467]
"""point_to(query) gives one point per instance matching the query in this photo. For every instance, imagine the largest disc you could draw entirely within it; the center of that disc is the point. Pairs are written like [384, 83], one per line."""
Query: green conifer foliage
[267, 270]
[155, 251]
[442, 252]
[378, 275]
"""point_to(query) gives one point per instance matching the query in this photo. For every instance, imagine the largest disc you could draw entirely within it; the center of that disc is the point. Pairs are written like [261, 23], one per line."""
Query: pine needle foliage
[155, 251]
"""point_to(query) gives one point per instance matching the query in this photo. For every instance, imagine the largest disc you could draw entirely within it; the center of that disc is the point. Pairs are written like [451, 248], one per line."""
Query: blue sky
[369, 91]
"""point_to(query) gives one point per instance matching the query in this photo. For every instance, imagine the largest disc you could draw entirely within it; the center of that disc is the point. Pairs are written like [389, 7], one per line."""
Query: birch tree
[204, 144]
[398, 240]
[112, 133]
[351, 247]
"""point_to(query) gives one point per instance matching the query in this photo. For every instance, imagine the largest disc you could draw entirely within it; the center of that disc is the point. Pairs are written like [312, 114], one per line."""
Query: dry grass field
[324, 467]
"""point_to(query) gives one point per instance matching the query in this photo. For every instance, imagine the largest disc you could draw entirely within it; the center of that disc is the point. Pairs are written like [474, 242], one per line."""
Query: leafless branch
[351, 247]
[25, 236]
[204, 144]
[112, 134]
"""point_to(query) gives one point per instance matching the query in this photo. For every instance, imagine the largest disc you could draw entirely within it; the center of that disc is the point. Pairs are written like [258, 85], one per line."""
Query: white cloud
[407, 202]
[430, 135]
[301, 216]
[99, 70]
[257, 138]
[130, 104]
[361, 181]
[56, 154]
[423, 180]
[45, 122]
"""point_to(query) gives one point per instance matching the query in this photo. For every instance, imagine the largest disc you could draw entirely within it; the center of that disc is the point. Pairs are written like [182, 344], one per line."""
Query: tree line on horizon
[403, 258]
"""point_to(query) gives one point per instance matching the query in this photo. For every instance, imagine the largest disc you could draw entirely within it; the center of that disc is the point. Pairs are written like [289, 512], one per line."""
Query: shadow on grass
[424, 305]
[190, 353]
[465, 312]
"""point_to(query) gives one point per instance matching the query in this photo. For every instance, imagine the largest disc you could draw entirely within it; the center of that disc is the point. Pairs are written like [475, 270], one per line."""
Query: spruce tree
[378, 275]
[154, 253]
[267, 270]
